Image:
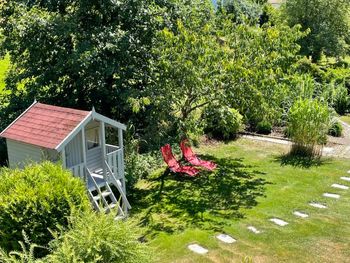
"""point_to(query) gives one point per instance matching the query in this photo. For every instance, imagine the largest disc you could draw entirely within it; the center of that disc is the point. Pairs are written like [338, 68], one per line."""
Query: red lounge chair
[174, 165]
[192, 158]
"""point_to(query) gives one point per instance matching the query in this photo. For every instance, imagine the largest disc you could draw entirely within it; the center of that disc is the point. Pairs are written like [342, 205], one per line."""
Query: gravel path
[336, 146]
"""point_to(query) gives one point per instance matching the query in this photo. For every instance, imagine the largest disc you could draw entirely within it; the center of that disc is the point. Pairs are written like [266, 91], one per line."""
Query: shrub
[336, 129]
[222, 121]
[96, 237]
[264, 127]
[138, 166]
[36, 199]
[308, 124]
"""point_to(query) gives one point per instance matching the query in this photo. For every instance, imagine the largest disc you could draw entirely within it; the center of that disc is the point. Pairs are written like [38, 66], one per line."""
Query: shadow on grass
[300, 161]
[172, 202]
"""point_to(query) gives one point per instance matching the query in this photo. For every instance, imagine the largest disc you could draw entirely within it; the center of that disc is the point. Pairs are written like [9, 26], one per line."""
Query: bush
[96, 237]
[308, 124]
[264, 127]
[222, 121]
[92, 237]
[36, 199]
[138, 166]
[336, 130]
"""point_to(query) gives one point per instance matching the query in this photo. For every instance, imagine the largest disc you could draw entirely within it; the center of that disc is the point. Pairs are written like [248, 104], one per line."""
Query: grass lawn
[253, 183]
[345, 118]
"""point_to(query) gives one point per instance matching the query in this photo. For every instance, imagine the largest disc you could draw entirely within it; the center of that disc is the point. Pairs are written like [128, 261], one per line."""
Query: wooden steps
[102, 196]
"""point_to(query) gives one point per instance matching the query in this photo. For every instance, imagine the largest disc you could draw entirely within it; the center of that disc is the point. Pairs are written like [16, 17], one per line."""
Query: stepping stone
[345, 178]
[300, 214]
[317, 205]
[254, 230]
[279, 222]
[198, 249]
[226, 238]
[336, 196]
[340, 186]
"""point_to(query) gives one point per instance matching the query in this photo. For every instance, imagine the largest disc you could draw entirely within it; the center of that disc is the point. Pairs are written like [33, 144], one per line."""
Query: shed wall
[74, 151]
[20, 153]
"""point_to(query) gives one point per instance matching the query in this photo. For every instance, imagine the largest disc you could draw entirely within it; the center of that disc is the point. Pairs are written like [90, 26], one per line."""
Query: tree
[329, 24]
[258, 78]
[78, 53]
[242, 10]
[187, 73]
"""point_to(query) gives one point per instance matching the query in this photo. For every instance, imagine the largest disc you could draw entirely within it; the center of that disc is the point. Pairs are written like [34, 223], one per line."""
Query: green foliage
[138, 166]
[78, 53]
[187, 70]
[308, 123]
[329, 25]
[91, 237]
[258, 79]
[27, 255]
[222, 121]
[242, 10]
[97, 237]
[264, 127]
[36, 199]
[336, 129]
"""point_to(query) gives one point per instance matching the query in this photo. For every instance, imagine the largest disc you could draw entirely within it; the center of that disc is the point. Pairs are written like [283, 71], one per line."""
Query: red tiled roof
[44, 125]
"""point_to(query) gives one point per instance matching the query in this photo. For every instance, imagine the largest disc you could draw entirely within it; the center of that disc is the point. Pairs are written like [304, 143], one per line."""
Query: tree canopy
[329, 24]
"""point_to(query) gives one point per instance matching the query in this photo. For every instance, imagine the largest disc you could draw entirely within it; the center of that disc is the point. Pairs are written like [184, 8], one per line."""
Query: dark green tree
[329, 24]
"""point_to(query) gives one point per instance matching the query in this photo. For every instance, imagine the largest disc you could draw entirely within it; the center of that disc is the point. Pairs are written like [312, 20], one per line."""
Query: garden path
[336, 146]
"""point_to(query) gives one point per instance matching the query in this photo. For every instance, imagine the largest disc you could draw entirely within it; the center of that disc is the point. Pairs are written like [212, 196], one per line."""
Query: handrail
[113, 152]
[118, 186]
[112, 146]
[96, 186]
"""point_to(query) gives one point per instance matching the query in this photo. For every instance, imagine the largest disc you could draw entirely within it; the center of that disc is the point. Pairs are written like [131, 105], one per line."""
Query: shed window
[92, 138]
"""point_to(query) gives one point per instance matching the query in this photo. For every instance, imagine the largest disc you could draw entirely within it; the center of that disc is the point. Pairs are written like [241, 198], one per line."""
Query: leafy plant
[138, 166]
[26, 255]
[36, 199]
[264, 127]
[336, 129]
[222, 121]
[97, 237]
[308, 124]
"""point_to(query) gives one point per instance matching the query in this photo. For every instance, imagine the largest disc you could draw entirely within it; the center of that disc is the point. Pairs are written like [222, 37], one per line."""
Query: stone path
[317, 205]
[300, 214]
[345, 178]
[225, 238]
[335, 196]
[198, 249]
[253, 229]
[278, 221]
[340, 186]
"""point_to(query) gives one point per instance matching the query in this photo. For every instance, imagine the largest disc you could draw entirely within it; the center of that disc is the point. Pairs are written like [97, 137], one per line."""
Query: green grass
[345, 118]
[252, 184]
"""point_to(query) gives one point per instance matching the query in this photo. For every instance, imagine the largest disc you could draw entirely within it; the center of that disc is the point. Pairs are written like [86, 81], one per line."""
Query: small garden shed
[78, 139]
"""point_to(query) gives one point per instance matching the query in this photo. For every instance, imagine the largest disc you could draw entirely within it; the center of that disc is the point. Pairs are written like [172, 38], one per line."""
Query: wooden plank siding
[20, 154]
[94, 158]
[74, 152]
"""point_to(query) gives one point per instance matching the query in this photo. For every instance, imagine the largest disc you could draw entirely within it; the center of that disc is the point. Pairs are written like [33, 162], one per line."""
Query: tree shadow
[300, 161]
[173, 202]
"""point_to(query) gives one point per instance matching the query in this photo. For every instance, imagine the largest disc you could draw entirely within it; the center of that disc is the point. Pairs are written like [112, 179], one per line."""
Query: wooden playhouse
[78, 139]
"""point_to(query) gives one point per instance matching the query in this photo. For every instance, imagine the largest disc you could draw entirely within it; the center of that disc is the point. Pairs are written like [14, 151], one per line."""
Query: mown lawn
[253, 183]
[345, 118]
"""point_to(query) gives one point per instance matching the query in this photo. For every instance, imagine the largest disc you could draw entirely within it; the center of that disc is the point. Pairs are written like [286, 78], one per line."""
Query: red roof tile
[44, 125]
